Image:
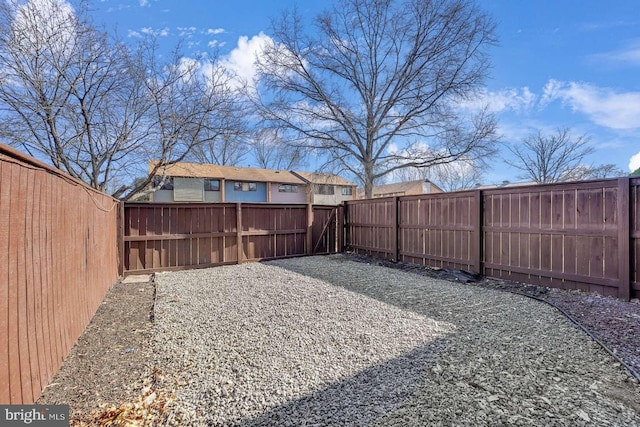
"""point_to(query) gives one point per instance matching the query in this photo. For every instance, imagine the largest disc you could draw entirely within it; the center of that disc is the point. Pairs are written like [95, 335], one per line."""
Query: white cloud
[550, 91]
[634, 162]
[215, 31]
[604, 106]
[144, 3]
[186, 31]
[630, 56]
[159, 32]
[216, 43]
[517, 100]
[241, 61]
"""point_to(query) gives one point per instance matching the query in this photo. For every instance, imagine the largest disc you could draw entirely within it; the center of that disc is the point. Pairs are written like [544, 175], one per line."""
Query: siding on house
[328, 181]
[169, 196]
[332, 199]
[212, 196]
[189, 183]
[301, 196]
[163, 196]
[233, 195]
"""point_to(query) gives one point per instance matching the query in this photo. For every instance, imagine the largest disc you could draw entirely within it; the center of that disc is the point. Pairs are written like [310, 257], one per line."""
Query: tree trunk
[368, 181]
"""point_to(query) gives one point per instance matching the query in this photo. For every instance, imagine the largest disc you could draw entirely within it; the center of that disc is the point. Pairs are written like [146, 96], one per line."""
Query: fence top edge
[21, 157]
[444, 195]
[598, 183]
[264, 205]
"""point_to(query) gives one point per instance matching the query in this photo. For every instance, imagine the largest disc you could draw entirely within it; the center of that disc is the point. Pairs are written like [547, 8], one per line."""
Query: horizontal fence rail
[583, 235]
[173, 236]
[58, 259]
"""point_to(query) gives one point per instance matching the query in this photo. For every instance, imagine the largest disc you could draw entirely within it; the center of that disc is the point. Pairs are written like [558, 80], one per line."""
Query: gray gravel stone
[325, 341]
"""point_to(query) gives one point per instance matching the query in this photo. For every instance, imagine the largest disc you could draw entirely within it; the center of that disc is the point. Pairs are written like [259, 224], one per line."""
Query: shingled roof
[323, 178]
[197, 170]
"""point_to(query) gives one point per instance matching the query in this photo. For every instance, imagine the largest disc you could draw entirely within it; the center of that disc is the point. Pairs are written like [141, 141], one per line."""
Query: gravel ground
[614, 322]
[324, 340]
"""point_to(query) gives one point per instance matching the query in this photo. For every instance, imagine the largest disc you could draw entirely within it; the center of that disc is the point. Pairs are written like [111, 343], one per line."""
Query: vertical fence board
[5, 275]
[58, 237]
[634, 227]
[624, 238]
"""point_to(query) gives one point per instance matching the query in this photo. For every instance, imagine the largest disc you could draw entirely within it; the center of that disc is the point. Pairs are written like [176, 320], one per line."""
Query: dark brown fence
[57, 260]
[179, 236]
[573, 236]
[634, 227]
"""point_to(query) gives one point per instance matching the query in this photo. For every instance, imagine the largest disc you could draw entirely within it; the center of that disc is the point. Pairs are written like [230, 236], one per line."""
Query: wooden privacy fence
[57, 260]
[583, 235]
[178, 236]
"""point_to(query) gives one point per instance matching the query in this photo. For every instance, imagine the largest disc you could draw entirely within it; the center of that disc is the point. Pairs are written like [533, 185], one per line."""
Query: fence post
[340, 229]
[120, 238]
[346, 228]
[239, 231]
[309, 229]
[624, 241]
[476, 220]
[396, 229]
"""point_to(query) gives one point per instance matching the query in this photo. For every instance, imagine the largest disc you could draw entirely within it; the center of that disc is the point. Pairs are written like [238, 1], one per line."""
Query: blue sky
[562, 63]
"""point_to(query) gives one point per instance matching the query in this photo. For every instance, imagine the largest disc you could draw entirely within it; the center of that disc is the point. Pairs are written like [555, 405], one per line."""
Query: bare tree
[462, 174]
[228, 150]
[378, 80]
[550, 158]
[92, 106]
[271, 152]
[187, 108]
[608, 170]
[229, 143]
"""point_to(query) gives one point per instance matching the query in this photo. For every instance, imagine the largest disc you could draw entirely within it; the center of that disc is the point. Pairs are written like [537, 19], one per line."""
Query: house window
[167, 185]
[347, 191]
[324, 189]
[288, 188]
[211, 185]
[245, 186]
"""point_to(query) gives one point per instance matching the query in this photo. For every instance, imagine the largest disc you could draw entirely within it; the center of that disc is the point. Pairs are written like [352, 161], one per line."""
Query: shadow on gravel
[410, 298]
[360, 399]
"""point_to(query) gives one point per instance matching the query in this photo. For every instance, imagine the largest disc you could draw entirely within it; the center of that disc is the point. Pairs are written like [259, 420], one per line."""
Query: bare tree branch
[271, 152]
[551, 158]
[96, 108]
[379, 77]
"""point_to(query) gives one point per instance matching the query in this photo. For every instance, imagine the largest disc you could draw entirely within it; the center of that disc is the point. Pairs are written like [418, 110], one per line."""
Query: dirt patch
[111, 362]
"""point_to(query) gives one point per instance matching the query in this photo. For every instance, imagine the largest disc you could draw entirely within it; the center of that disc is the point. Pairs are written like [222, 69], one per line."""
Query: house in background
[328, 189]
[409, 188]
[193, 182]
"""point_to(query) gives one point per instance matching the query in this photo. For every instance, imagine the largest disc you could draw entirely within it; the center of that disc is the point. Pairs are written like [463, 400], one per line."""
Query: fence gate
[327, 229]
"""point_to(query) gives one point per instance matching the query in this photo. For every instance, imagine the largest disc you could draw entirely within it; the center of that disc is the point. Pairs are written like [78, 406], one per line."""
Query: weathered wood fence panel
[634, 226]
[179, 236]
[58, 258]
[563, 235]
[372, 227]
[583, 235]
[438, 231]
